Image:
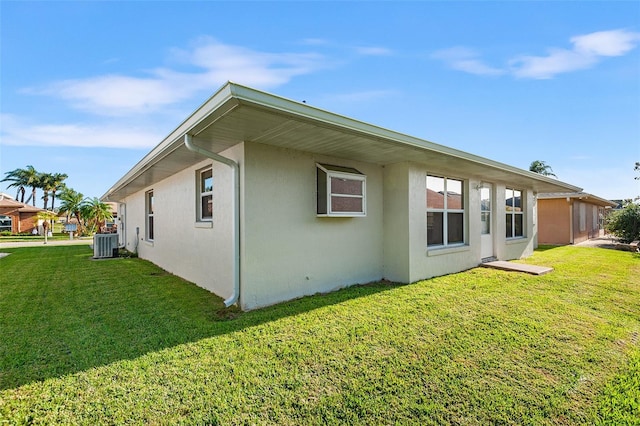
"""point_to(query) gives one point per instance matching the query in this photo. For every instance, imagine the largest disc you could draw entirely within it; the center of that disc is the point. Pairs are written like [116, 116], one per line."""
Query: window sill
[439, 251]
[148, 242]
[341, 215]
[516, 240]
[203, 224]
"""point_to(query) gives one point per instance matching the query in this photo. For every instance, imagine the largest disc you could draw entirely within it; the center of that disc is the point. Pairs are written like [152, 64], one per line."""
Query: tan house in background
[17, 217]
[571, 218]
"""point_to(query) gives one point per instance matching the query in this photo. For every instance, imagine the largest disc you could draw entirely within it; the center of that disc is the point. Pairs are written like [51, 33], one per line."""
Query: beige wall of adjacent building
[555, 219]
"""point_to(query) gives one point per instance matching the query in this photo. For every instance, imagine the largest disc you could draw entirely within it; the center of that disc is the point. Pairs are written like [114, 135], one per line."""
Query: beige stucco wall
[288, 251]
[407, 257]
[396, 223]
[431, 262]
[516, 248]
[555, 221]
[199, 253]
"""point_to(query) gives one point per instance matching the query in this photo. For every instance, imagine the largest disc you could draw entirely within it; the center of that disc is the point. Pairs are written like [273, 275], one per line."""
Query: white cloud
[213, 64]
[17, 132]
[465, 59]
[373, 51]
[587, 51]
[606, 43]
[545, 67]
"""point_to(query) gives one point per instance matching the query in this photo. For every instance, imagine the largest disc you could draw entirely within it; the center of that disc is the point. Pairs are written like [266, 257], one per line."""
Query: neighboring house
[17, 217]
[261, 199]
[571, 218]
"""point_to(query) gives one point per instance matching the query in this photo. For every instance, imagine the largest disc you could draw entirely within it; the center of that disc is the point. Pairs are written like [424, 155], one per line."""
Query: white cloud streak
[213, 64]
[373, 51]
[467, 60]
[587, 51]
[17, 132]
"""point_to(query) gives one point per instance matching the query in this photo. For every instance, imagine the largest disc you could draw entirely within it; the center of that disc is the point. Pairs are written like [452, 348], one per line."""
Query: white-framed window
[204, 178]
[6, 223]
[149, 230]
[445, 211]
[515, 213]
[341, 191]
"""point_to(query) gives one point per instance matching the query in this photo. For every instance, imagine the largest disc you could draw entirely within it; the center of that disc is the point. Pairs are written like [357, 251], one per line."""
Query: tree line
[90, 213]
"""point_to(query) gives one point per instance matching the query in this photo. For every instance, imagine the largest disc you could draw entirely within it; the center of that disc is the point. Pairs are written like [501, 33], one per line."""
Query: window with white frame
[149, 213]
[5, 223]
[445, 211]
[341, 191]
[514, 213]
[205, 194]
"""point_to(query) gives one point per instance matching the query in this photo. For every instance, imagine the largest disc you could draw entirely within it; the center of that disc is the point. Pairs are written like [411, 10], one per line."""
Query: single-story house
[262, 199]
[571, 218]
[17, 217]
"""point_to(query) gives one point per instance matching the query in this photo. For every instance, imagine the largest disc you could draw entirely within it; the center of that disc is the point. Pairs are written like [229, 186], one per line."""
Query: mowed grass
[121, 341]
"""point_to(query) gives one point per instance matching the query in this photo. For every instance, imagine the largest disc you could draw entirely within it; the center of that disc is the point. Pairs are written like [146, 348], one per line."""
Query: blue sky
[88, 88]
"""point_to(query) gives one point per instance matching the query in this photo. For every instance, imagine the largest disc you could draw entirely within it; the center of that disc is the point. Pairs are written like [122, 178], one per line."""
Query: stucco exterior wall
[431, 262]
[199, 252]
[554, 216]
[288, 251]
[396, 223]
[517, 248]
[585, 221]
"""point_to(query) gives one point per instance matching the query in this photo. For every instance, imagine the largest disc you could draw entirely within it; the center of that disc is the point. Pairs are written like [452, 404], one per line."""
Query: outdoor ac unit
[105, 245]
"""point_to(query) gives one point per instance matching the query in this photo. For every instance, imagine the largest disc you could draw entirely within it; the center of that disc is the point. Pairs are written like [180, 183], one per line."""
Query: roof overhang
[583, 196]
[236, 114]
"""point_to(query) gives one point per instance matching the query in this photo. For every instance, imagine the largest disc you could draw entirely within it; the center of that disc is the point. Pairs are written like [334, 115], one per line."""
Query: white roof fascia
[240, 94]
[318, 115]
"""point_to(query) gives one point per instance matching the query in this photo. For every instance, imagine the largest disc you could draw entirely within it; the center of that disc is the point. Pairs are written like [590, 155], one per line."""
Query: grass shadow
[61, 313]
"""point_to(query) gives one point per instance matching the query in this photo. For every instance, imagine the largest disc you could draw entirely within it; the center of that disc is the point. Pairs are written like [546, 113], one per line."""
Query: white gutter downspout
[188, 142]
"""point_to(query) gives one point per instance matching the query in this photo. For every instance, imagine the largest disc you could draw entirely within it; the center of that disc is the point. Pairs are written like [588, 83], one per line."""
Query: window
[149, 212]
[445, 211]
[515, 215]
[205, 194]
[485, 211]
[341, 191]
[5, 223]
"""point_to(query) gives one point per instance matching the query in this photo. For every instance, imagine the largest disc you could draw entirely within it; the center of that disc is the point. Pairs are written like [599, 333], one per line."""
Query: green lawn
[121, 341]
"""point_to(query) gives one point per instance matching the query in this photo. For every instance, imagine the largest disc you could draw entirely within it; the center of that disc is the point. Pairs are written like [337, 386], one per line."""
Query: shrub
[5, 233]
[625, 223]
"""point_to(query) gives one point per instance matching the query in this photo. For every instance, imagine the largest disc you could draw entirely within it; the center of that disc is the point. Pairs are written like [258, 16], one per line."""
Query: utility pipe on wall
[188, 142]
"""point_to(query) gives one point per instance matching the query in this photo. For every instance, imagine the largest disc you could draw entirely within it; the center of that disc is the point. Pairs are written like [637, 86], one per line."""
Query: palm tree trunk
[33, 195]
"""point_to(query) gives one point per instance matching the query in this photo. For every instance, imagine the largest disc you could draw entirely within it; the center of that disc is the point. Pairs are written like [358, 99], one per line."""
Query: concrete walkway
[518, 267]
[50, 243]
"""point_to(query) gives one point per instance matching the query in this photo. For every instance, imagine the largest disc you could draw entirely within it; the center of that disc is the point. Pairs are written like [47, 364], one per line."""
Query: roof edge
[231, 91]
[576, 195]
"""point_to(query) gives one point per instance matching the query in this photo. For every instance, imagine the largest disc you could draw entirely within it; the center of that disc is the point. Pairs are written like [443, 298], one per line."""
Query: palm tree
[542, 168]
[96, 212]
[32, 179]
[18, 180]
[46, 184]
[72, 204]
[57, 183]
